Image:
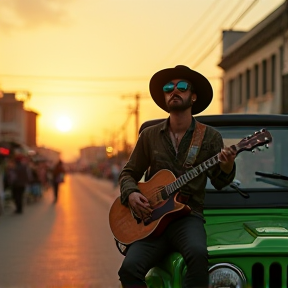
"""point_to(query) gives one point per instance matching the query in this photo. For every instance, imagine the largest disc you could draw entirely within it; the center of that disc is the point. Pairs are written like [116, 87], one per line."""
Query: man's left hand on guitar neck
[227, 157]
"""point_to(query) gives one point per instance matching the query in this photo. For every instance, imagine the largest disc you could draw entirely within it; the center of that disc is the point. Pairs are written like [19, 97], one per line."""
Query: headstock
[257, 140]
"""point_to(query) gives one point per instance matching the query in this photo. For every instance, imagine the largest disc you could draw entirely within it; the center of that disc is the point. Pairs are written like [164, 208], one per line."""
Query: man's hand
[140, 205]
[227, 157]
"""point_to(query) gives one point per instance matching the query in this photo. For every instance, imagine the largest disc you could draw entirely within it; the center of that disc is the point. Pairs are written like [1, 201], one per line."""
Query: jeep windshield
[270, 161]
[262, 175]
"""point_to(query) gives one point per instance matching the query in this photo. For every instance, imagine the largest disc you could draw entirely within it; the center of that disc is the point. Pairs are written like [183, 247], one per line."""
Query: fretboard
[191, 174]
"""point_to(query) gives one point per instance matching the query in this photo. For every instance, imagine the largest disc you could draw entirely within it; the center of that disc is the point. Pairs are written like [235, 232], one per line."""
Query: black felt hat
[201, 85]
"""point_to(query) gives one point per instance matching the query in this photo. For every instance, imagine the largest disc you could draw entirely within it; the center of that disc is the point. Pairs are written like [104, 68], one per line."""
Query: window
[248, 84]
[273, 72]
[256, 80]
[281, 58]
[230, 95]
[240, 89]
[264, 77]
[8, 114]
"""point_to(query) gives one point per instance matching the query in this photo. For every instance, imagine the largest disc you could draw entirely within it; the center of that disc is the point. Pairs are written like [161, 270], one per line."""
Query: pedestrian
[8, 175]
[2, 190]
[19, 180]
[58, 173]
[175, 144]
[115, 170]
[35, 183]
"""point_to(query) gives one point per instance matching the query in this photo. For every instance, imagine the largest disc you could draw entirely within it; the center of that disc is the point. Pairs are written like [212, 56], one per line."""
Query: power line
[215, 44]
[76, 78]
[230, 14]
[243, 14]
[77, 93]
[192, 30]
[201, 39]
[191, 46]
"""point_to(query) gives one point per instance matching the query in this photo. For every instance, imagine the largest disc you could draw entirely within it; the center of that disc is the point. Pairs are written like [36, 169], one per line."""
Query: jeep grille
[273, 276]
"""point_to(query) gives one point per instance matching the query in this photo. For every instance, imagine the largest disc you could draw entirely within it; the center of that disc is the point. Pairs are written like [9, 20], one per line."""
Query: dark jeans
[18, 193]
[187, 236]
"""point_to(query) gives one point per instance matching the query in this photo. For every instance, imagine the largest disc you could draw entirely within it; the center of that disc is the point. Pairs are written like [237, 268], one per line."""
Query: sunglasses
[181, 86]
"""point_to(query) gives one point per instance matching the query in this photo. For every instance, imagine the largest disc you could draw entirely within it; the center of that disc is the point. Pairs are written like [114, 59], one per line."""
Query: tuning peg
[266, 146]
[253, 151]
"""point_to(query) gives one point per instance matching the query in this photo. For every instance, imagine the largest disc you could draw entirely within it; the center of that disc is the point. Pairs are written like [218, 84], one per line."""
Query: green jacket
[154, 151]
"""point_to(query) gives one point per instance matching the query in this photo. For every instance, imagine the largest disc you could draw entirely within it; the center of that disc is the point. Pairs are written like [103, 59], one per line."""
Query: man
[57, 178]
[19, 179]
[182, 93]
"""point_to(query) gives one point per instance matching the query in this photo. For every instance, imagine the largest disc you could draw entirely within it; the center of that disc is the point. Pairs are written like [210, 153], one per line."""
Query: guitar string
[193, 173]
[185, 178]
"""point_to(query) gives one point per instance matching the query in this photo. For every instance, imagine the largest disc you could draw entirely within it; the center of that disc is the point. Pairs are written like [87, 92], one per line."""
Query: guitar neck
[259, 138]
[190, 175]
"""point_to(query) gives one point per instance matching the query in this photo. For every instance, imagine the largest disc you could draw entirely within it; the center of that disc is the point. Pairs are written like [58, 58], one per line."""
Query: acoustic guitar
[161, 191]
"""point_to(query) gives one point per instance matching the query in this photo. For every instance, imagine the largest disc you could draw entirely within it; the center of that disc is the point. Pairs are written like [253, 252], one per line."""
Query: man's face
[180, 98]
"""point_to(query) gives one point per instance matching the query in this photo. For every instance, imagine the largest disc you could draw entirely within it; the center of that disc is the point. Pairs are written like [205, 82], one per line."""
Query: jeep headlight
[226, 275]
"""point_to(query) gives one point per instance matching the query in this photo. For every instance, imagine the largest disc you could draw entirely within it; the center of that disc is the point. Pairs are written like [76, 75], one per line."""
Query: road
[67, 244]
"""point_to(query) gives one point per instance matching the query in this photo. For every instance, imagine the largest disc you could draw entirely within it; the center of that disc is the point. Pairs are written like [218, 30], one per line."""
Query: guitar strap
[193, 151]
[195, 145]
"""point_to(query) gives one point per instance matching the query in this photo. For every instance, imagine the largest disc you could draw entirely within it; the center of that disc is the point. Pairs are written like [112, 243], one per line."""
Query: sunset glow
[64, 124]
[88, 59]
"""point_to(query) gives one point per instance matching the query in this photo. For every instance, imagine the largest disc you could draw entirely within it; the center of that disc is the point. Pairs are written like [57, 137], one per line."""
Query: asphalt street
[63, 245]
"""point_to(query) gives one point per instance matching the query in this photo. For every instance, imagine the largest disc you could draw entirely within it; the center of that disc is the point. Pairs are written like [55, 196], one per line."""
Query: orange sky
[78, 58]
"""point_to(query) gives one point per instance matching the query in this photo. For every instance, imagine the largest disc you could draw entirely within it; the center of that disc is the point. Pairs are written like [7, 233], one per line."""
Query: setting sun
[64, 124]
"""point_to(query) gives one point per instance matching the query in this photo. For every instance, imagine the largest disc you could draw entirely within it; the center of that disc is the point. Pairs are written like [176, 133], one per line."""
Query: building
[18, 129]
[92, 155]
[17, 125]
[255, 66]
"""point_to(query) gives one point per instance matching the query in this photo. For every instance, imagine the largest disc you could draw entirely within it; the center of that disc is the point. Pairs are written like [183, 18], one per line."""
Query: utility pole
[137, 105]
[123, 129]
[136, 112]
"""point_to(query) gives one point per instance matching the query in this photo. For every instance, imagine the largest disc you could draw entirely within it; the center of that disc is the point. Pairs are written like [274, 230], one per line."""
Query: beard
[181, 105]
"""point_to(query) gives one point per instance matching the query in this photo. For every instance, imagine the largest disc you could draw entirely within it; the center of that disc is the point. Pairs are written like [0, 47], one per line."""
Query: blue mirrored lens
[181, 86]
[168, 87]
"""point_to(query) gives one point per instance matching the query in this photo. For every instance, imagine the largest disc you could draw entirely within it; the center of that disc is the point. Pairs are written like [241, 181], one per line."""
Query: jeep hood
[244, 232]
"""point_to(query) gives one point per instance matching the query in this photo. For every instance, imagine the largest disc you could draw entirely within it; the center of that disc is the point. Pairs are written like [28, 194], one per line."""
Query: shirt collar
[165, 125]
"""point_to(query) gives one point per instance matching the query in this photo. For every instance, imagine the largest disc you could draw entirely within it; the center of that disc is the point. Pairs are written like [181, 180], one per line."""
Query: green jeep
[247, 221]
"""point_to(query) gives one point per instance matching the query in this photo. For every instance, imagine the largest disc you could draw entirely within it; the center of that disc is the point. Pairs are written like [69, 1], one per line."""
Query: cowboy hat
[201, 85]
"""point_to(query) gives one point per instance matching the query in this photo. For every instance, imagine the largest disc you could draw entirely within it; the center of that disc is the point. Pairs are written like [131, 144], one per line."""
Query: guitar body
[125, 227]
